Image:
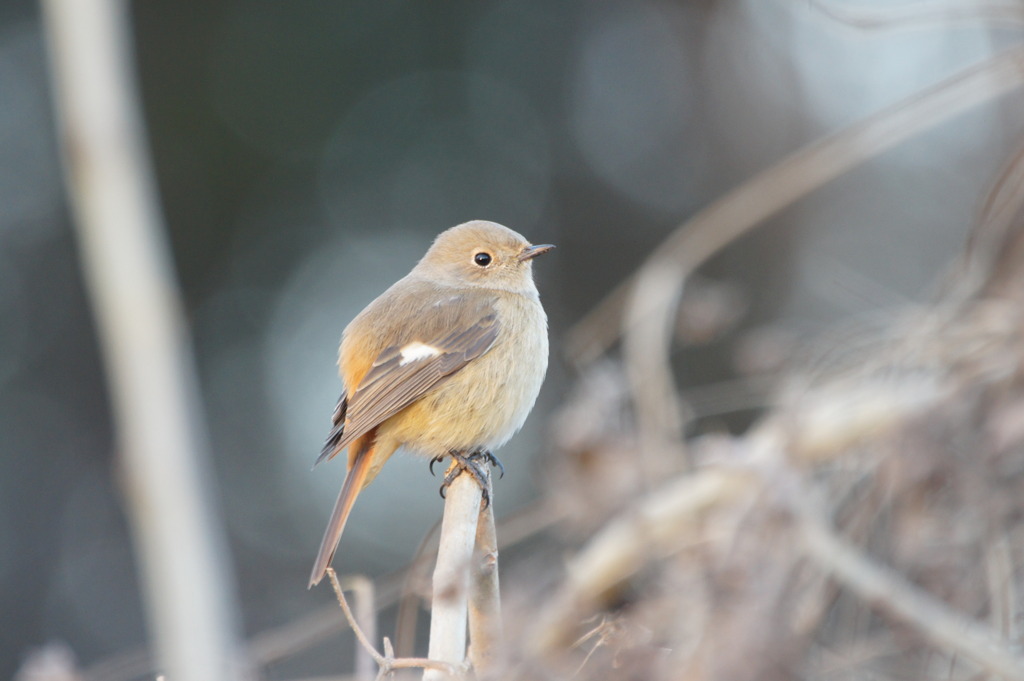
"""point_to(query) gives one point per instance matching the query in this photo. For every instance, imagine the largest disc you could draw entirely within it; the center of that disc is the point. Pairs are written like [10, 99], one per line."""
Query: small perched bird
[448, 361]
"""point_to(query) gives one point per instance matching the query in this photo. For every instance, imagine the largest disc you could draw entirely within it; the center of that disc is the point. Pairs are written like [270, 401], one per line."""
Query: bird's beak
[531, 252]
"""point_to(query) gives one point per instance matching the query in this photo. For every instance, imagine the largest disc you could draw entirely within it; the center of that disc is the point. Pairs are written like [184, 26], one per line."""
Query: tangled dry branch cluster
[869, 526]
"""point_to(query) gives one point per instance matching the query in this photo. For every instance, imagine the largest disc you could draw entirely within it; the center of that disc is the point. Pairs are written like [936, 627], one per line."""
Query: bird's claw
[436, 459]
[472, 464]
[494, 461]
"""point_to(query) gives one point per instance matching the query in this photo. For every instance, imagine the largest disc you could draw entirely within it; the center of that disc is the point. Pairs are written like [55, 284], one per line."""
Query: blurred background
[308, 152]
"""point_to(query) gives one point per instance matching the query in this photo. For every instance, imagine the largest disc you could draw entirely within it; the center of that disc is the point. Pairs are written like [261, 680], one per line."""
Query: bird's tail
[354, 483]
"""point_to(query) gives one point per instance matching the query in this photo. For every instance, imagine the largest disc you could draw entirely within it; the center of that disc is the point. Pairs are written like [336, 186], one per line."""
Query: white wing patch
[413, 352]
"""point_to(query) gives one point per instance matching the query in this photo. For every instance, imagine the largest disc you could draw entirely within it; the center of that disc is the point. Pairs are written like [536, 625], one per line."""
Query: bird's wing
[402, 373]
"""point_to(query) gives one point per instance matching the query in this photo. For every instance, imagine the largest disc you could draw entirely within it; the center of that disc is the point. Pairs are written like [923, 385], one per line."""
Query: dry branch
[485, 630]
[450, 600]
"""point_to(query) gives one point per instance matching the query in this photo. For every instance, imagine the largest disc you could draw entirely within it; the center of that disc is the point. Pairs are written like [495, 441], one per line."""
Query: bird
[448, 361]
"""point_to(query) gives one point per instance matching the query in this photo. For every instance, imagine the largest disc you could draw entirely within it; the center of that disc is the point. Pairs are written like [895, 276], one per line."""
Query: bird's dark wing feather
[337, 429]
[390, 386]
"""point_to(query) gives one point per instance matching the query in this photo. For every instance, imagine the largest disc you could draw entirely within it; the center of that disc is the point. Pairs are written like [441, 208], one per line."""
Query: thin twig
[415, 663]
[178, 536]
[356, 629]
[601, 632]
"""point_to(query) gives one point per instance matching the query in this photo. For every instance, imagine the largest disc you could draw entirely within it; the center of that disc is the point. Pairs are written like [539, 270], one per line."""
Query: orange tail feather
[354, 483]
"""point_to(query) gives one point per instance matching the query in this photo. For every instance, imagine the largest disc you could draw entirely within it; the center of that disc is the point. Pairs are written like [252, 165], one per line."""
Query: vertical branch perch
[178, 538]
[448, 617]
[485, 630]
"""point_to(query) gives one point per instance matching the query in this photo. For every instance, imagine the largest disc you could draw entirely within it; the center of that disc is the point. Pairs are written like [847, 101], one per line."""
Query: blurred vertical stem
[366, 616]
[178, 537]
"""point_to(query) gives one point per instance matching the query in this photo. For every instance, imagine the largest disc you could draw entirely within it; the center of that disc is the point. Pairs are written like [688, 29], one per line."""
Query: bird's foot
[474, 464]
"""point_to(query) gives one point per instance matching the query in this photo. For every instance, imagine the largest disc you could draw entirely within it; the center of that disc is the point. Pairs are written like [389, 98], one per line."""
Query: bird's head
[482, 254]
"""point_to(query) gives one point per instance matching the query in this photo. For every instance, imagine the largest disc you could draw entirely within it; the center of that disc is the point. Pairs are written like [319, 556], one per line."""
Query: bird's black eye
[483, 259]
